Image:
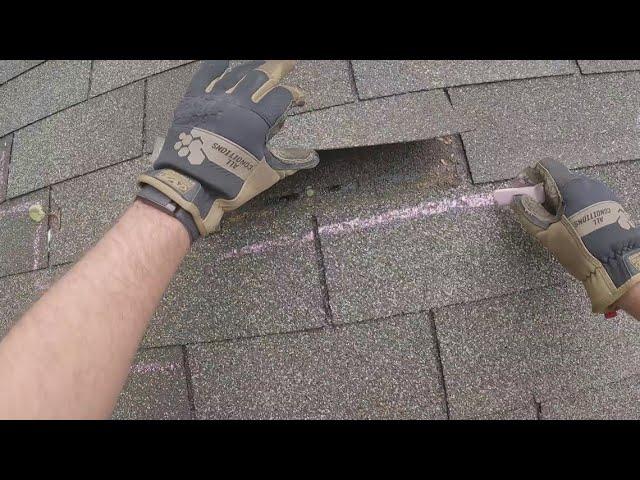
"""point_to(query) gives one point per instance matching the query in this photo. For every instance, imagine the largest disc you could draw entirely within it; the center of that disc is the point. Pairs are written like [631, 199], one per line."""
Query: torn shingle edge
[422, 210]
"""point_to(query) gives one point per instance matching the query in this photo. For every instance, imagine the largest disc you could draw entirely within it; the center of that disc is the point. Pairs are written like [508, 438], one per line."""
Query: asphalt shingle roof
[381, 284]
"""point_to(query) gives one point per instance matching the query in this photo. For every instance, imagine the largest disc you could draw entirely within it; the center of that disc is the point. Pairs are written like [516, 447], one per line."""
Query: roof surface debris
[395, 290]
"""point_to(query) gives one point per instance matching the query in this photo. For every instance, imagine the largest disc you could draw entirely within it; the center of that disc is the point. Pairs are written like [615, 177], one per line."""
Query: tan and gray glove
[586, 228]
[215, 157]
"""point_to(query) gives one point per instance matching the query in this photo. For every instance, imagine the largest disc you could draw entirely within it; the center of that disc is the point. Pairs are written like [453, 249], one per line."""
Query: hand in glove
[215, 157]
[586, 228]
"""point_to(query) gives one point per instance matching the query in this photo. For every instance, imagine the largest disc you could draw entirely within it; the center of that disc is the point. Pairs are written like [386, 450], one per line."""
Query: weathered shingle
[424, 241]
[19, 292]
[44, 90]
[499, 354]
[257, 276]
[24, 241]
[402, 118]
[110, 74]
[5, 157]
[89, 205]
[614, 401]
[377, 78]
[12, 68]
[582, 120]
[524, 413]
[156, 388]
[376, 370]
[99, 132]
[602, 66]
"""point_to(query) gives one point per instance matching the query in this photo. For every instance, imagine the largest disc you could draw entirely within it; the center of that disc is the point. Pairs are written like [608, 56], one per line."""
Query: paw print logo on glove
[190, 146]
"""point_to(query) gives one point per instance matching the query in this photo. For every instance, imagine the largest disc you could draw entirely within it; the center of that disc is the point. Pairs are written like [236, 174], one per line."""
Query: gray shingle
[110, 74]
[164, 92]
[12, 68]
[498, 353]
[402, 118]
[526, 413]
[19, 292]
[587, 120]
[5, 157]
[100, 132]
[23, 241]
[89, 205]
[601, 66]
[326, 83]
[156, 388]
[438, 164]
[387, 77]
[44, 90]
[236, 284]
[374, 370]
[409, 250]
[614, 401]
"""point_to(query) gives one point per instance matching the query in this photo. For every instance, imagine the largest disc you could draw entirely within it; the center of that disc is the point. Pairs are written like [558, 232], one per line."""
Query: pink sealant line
[422, 210]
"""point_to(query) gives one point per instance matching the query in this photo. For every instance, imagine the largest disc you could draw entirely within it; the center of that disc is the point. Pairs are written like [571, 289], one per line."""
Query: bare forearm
[630, 302]
[69, 355]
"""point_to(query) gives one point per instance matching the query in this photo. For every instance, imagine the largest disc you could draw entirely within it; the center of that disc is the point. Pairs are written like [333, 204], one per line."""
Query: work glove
[586, 228]
[215, 156]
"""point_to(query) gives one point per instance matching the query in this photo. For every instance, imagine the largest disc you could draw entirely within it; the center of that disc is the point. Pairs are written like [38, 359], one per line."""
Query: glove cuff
[159, 200]
[186, 193]
[601, 289]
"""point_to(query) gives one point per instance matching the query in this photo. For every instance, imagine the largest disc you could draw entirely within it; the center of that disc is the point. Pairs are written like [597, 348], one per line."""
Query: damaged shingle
[402, 118]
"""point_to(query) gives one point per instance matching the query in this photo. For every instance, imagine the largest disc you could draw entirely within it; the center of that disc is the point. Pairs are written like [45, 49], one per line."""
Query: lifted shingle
[402, 118]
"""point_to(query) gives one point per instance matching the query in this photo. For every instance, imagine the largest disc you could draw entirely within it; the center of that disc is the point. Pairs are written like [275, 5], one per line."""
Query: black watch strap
[159, 200]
